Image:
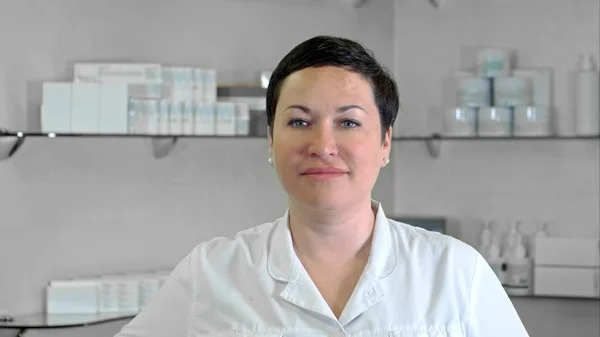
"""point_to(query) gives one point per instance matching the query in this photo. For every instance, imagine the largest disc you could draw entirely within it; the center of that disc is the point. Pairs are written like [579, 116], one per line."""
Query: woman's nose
[323, 143]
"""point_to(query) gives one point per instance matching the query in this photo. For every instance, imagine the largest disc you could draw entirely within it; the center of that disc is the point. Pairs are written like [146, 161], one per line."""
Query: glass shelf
[38, 321]
[162, 144]
[5, 133]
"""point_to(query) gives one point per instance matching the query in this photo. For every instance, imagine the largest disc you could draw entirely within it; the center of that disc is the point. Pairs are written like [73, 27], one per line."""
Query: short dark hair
[321, 51]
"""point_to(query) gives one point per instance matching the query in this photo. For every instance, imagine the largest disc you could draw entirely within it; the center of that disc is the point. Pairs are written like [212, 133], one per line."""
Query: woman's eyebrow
[344, 108]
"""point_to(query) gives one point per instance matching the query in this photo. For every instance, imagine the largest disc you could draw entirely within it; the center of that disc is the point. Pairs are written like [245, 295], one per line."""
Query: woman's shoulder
[433, 245]
[251, 240]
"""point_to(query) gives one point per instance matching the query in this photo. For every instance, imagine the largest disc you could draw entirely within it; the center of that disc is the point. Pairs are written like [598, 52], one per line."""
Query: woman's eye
[349, 124]
[297, 123]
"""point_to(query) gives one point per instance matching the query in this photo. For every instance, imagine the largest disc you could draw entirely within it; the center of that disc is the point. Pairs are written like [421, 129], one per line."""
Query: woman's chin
[323, 201]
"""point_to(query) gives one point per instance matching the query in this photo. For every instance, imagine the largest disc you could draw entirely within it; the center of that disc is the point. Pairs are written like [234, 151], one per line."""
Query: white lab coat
[416, 284]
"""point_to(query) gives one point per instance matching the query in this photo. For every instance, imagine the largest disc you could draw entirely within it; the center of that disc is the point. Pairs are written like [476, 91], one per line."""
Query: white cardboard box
[566, 282]
[567, 252]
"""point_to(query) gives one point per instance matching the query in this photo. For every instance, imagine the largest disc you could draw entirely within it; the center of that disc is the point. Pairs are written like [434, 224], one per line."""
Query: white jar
[494, 122]
[519, 277]
[513, 91]
[460, 121]
[492, 62]
[474, 92]
[531, 121]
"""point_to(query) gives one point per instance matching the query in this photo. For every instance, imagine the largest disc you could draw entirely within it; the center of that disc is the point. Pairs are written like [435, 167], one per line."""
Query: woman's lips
[324, 173]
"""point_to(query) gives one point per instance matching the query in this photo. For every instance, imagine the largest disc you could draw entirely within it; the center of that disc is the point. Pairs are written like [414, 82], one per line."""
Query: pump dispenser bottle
[519, 271]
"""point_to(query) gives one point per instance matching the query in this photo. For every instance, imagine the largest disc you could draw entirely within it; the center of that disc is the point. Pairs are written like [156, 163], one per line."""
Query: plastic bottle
[519, 271]
[497, 262]
[541, 233]
[587, 97]
[485, 239]
[510, 241]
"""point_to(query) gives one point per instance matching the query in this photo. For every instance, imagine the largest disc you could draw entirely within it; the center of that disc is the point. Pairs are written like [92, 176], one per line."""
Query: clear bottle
[485, 239]
[510, 241]
[587, 97]
[541, 233]
[519, 271]
[496, 261]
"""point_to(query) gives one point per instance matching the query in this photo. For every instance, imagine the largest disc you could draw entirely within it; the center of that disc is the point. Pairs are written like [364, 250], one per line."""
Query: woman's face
[326, 144]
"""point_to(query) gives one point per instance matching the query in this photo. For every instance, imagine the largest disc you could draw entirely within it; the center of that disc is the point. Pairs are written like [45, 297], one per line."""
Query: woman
[333, 264]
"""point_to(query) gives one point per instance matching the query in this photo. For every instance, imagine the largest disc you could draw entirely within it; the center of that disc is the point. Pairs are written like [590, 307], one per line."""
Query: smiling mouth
[324, 171]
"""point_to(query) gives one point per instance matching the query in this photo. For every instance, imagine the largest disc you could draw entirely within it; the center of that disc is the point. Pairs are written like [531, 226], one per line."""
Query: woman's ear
[270, 136]
[387, 139]
[270, 140]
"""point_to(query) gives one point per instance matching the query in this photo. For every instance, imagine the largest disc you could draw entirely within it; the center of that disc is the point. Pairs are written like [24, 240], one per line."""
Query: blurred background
[510, 87]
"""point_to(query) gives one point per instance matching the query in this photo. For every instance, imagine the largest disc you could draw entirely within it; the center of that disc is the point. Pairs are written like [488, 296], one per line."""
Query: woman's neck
[333, 235]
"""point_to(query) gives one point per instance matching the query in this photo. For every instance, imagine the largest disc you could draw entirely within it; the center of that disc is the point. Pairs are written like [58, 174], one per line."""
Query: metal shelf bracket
[434, 145]
[162, 146]
[10, 145]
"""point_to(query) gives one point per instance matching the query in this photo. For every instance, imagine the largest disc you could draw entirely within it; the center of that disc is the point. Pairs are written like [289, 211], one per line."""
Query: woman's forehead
[323, 83]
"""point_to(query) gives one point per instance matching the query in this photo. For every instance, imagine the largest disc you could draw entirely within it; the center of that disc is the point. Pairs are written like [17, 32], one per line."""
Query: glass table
[39, 321]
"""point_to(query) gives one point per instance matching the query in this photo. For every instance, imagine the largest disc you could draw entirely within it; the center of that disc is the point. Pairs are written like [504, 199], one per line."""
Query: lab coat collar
[383, 258]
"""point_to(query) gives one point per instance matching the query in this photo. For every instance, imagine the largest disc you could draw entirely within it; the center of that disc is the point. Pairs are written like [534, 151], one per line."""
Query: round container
[493, 62]
[513, 91]
[474, 92]
[494, 122]
[460, 121]
[519, 277]
[531, 121]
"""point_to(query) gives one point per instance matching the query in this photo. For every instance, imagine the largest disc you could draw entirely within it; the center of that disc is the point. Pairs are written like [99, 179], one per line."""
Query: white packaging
[474, 91]
[72, 297]
[494, 122]
[242, 116]
[164, 107]
[513, 91]
[210, 85]
[530, 121]
[587, 98]
[113, 110]
[182, 87]
[175, 118]
[108, 300]
[167, 75]
[138, 117]
[122, 294]
[204, 119]
[148, 286]
[187, 119]
[56, 107]
[541, 78]
[492, 62]
[225, 119]
[143, 79]
[567, 282]
[85, 104]
[199, 86]
[567, 252]
[460, 122]
[152, 115]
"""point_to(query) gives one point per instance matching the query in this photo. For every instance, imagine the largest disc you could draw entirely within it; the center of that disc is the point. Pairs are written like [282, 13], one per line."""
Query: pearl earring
[386, 161]
[270, 161]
